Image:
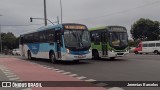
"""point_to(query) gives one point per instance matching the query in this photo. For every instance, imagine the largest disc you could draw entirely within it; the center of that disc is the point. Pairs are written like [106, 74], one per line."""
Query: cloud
[90, 12]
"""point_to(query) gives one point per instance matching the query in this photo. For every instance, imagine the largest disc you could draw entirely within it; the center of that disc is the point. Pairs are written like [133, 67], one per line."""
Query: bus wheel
[29, 55]
[136, 52]
[112, 58]
[95, 55]
[52, 57]
[156, 52]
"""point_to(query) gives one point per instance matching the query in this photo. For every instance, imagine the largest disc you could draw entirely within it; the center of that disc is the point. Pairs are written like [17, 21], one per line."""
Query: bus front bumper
[117, 54]
[70, 57]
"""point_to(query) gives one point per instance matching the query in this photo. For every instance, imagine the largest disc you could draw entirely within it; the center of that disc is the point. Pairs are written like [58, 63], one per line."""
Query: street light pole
[31, 19]
[61, 11]
[45, 13]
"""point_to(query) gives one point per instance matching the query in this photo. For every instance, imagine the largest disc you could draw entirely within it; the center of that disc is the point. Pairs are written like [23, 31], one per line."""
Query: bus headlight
[68, 51]
[111, 50]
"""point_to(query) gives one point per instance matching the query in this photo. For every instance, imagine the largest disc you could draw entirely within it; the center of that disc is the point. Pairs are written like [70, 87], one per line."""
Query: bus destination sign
[74, 27]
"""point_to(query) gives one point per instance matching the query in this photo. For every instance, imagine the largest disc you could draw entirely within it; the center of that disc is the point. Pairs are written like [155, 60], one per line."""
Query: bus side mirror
[30, 19]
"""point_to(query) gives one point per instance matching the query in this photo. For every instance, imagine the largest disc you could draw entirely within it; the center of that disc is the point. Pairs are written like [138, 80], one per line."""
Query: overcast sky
[89, 12]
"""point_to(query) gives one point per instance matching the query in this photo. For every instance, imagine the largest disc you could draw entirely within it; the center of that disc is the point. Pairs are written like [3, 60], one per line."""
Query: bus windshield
[118, 39]
[77, 38]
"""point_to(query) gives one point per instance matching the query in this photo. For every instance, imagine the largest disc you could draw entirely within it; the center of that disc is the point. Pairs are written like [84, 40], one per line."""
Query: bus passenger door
[104, 43]
[58, 43]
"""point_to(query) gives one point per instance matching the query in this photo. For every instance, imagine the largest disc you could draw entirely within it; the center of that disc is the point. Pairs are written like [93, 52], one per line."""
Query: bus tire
[52, 57]
[156, 52]
[135, 52]
[95, 54]
[29, 56]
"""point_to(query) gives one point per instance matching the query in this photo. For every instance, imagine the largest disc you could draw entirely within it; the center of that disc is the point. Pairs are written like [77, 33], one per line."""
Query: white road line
[8, 73]
[15, 78]
[9, 76]
[66, 73]
[50, 68]
[19, 80]
[27, 89]
[73, 75]
[90, 80]
[56, 69]
[82, 77]
[6, 70]
[115, 88]
[60, 71]
[32, 63]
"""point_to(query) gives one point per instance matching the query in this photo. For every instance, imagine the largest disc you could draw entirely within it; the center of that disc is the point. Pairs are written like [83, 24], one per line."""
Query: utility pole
[45, 13]
[61, 11]
[0, 39]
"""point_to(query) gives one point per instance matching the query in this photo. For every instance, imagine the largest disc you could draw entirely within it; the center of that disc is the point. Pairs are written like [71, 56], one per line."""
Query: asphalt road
[129, 68]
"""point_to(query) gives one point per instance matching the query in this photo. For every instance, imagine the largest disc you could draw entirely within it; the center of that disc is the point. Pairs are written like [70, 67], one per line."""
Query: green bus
[109, 42]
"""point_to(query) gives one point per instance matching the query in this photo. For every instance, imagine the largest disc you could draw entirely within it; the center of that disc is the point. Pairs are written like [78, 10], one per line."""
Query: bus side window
[151, 44]
[42, 36]
[36, 37]
[96, 38]
[50, 36]
[157, 44]
[144, 45]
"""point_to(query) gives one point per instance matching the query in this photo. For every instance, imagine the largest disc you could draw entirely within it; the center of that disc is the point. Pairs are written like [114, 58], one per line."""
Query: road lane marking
[50, 68]
[90, 80]
[9, 76]
[27, 89]
[81, 77]
[115, 88]
[66, 73]
[8, 73]
[60, 71]
[15, 78]
[56, 69]
[73, 75]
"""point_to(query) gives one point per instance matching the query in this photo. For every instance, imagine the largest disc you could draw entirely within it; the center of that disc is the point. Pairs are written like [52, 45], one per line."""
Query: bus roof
[51, 26]
[96, 28]
[104, 27]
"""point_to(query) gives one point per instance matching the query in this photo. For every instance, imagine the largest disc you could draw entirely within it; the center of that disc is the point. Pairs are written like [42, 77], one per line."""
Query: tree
[9, 41]
[146, 30]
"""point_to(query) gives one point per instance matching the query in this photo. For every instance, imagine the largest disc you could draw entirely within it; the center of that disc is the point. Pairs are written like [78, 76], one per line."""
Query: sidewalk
[27, 71]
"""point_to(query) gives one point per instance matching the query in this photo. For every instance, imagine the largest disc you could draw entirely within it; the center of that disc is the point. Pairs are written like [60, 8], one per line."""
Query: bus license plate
[80, 56]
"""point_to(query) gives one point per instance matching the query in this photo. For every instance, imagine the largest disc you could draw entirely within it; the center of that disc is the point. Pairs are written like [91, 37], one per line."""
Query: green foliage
[146, 30]
[9, 41]
[133, 43]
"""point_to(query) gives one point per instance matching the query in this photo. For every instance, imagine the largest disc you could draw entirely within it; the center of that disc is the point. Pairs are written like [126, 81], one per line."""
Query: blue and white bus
[67, 42]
